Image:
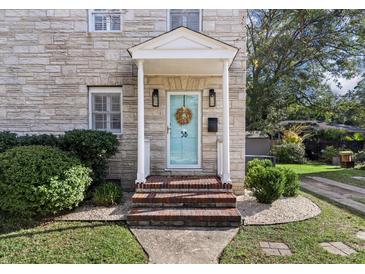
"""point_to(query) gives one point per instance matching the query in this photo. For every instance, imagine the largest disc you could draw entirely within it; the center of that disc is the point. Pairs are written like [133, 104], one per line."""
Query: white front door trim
[168, 125]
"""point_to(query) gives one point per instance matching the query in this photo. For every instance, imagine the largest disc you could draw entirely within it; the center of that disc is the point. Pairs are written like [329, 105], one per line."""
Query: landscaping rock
[284, 210]
[90, 212]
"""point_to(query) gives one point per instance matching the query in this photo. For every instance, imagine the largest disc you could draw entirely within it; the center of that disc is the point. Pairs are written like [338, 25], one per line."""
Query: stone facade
[48, 59]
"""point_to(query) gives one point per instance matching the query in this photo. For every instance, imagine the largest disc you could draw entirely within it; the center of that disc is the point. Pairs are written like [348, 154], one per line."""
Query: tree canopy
[292, 54]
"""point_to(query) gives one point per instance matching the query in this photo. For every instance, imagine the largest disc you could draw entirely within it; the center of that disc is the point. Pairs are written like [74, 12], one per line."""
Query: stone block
[62, 13]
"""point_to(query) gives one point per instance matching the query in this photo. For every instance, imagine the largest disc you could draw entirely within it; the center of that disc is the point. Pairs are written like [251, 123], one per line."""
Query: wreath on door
[183, 116]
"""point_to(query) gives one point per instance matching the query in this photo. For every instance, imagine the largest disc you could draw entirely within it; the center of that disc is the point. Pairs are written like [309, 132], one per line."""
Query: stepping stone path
[338, 248]
[275, 249]
[361, 235]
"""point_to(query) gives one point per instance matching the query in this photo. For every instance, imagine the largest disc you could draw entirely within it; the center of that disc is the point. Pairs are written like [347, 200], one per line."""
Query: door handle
[168, 129]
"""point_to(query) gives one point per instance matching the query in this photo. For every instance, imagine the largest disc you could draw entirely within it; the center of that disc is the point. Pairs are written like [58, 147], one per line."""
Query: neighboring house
[322, 125]
[138, 74]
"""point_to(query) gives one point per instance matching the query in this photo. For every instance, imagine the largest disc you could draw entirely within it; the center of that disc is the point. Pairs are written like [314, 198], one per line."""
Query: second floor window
[102, 20]
[187, 18]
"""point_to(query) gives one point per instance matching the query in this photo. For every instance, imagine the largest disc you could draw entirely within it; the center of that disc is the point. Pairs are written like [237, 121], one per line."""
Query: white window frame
[105, 90]
[91, 22]
[168, 25]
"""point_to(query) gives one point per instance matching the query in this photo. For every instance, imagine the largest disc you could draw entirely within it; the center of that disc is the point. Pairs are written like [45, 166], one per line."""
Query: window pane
[100, 103]
[176, 19]
[115, 103]
[100, 22]
[115, 121]
[100, 121]
[187, 18]
[193, 20]
[115, 22]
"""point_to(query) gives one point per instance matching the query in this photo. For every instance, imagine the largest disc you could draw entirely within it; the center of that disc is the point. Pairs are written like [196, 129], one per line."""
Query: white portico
[184, 52]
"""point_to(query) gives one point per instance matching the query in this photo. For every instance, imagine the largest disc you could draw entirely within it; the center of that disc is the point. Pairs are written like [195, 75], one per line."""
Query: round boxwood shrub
[107, 194]
[40, 180]
[267, 184]
[93, 147]
[291, 182]
[257, 162]
[7, 140]
[289, 153]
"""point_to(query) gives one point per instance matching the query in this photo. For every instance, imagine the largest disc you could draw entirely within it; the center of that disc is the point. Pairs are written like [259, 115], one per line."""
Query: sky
[347, 84]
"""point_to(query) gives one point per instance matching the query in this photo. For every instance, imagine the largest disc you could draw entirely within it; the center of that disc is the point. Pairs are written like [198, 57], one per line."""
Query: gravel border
[284, 210]
[90, 212]
[281, 211]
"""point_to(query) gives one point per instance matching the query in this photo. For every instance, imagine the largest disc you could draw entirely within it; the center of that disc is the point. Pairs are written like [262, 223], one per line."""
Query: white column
[226, 158]
[140, 157]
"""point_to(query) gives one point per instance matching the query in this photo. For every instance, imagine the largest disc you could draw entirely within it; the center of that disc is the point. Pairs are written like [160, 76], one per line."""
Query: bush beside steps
[269, 183]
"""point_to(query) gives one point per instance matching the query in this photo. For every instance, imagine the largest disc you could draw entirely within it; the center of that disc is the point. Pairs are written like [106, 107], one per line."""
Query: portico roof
[183, 52]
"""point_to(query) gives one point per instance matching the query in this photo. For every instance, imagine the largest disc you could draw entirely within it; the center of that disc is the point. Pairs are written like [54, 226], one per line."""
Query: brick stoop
[183, 184]
[184, 201]
[185, 216]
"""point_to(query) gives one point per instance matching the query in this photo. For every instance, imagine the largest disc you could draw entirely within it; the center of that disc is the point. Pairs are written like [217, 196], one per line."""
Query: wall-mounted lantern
[211, 98]
[155, 98]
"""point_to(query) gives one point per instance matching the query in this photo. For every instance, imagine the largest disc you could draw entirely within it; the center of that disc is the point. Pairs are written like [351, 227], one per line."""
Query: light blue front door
[184, 137]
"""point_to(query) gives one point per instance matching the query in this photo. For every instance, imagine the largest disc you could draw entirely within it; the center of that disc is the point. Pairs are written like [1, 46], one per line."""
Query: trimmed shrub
[289, 153]
[107, 194]
[7, 140]
[41, 140]
[328, 153]
[39, 180]
[291, 182]
[94, 148]
[267, 184]
[257, 162]
[360, 166]
[359, 157]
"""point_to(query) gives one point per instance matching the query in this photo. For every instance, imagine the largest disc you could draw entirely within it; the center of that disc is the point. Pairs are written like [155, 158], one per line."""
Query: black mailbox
[212, 124]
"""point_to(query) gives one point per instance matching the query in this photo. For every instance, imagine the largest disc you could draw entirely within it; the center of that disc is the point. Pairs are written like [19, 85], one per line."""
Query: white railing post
[226, 156]
[220, 157]
[141, 178]
[147, 157]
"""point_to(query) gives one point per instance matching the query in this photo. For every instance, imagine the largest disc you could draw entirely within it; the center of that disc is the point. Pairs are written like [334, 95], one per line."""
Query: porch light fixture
[155, 98]
[211, 98]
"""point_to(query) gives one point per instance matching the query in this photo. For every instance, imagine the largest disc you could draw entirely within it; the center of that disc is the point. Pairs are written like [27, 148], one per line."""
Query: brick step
[184, 217]
[184, 199]
[203, 186]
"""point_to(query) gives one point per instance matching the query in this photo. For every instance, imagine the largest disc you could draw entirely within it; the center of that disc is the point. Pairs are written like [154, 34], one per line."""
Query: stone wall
[48, 60]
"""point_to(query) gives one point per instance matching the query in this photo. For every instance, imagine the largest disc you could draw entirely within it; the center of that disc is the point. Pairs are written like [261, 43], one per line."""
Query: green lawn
[336, 173]
[333, 224]
[24, 241]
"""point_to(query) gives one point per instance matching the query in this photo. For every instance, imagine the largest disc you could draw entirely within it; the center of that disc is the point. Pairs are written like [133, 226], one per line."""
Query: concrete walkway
[168, 245]
[340, 193]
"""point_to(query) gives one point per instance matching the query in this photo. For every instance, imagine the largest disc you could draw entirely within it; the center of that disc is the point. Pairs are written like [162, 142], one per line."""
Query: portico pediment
[183, 51]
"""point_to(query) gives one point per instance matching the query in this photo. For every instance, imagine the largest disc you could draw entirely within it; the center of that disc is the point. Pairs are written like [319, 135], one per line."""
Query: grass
[29, 241]
[336, 173]
[333, 224]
